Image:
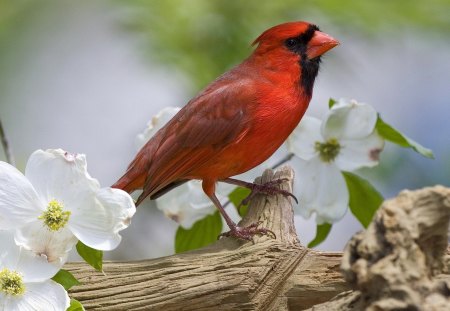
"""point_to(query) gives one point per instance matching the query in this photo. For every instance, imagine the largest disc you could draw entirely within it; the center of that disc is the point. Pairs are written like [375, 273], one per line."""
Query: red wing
[206, 125]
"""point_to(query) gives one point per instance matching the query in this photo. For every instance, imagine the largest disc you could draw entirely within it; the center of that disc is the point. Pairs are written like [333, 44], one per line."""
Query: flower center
[11, 283]
[54, 217]
[328, 150]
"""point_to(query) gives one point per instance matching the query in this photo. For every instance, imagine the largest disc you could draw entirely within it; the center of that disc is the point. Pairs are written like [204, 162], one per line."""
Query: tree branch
[394, 263]
[230, 274]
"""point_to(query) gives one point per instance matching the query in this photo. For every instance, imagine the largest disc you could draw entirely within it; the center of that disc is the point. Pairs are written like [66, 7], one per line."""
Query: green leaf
[75, 305]
[66, 279]
[331, 102]
[92, 256]
[389, 133]
[236, 197]
[364, 198]
[321, 234]
[203, 232]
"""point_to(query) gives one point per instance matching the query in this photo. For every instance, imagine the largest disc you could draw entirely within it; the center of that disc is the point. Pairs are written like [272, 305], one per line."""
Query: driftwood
[268, 274]
[393, 265]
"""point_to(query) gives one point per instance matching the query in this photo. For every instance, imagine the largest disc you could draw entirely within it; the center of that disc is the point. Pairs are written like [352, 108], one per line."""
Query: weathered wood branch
[268, 274]
[394, 263]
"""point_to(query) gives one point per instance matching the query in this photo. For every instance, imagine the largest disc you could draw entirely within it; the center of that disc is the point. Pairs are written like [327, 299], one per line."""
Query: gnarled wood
[393, 264]
[269, 274]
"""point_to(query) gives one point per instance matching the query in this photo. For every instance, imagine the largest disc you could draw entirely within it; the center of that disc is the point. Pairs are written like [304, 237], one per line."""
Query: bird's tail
[135, 176]
[130, 182]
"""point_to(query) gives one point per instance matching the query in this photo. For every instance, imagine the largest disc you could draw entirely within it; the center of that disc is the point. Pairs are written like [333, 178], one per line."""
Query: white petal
[9, 251]
[56, 174]
[359, 153]
[349, 120]
[48, 296]
[4, 301]
[54, 245]
[323, 191]
[19, 202]
[302, 140]
[155, 124]
[33, 267]
[96, 221]
[186, 204]
[306, 183]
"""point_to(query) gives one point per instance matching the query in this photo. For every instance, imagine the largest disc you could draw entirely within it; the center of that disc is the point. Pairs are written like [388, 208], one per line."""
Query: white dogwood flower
[155, 124]
[186, 204]
[345, 141]
[25, 282]
[58, 203]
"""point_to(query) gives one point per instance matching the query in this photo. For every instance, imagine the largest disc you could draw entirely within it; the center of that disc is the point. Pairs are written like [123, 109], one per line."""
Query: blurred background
[87, 76]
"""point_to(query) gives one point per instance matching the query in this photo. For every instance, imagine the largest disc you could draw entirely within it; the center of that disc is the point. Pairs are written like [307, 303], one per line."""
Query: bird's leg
[245, 233]
[268, 188]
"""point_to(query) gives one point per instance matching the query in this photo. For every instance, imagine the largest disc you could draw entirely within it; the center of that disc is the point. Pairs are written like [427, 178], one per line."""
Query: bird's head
[295, 43]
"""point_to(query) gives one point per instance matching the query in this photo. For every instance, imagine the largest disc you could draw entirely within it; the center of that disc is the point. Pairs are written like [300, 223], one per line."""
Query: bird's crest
[282, 32]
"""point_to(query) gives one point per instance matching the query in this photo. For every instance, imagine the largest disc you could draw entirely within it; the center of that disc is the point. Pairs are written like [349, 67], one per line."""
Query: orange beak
[319, 44]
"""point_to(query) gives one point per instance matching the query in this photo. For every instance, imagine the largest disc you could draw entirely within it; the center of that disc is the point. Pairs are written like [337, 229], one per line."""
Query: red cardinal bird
[236, 122]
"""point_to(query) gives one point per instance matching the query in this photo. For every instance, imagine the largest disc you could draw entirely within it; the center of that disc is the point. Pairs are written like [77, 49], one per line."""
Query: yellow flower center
[11, 283]
[328, 150]
[54, 217]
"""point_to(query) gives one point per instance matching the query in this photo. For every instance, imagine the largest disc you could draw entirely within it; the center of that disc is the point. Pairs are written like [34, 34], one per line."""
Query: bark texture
[280, 274]
[395, 263]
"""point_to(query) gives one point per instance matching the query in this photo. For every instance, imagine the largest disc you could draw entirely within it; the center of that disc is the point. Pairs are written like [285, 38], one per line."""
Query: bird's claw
[269, 188]
[247, 233]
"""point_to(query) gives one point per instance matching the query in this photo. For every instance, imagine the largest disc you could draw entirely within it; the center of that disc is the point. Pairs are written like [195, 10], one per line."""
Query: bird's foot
[268, 188]
[247, 233]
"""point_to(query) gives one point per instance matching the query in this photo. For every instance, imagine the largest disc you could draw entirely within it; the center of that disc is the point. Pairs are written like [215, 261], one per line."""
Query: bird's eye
[291, 42]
